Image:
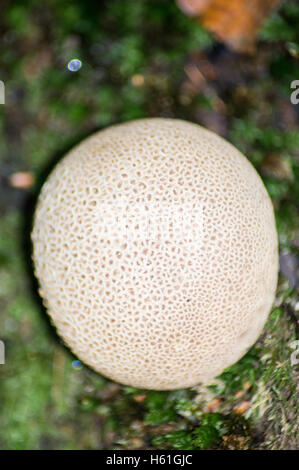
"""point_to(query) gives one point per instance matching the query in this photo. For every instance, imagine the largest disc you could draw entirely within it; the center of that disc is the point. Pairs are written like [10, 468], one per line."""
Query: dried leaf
[140, 398]
[242, 407]
[235, 22]
[214, 405]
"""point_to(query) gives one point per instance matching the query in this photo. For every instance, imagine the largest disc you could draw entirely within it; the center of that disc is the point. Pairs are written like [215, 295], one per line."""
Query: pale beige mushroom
[156, 252]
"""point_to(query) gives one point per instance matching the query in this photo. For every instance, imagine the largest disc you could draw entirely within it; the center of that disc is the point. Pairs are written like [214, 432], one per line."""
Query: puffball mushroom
[155, 247]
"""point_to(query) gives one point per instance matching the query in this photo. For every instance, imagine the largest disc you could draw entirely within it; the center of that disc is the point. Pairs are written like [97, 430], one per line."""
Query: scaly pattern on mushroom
[155, 248]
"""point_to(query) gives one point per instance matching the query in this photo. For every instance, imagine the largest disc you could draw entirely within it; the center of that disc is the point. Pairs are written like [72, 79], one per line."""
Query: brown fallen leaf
[235, 22]
[242, 407]
[214, 405]
[140, 398]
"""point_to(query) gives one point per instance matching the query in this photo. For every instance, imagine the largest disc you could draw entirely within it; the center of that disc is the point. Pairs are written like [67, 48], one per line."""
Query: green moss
[281, 25]
[205, 436]
[176, 440]
[160, 409]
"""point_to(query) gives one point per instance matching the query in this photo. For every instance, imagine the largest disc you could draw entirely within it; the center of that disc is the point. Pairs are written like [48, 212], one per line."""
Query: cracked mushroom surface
[155, 247]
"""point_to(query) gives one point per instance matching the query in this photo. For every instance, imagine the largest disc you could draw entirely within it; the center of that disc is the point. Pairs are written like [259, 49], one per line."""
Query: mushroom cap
[155, 247]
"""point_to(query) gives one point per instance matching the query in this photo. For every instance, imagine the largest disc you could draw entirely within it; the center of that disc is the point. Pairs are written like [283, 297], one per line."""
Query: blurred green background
[140, 58]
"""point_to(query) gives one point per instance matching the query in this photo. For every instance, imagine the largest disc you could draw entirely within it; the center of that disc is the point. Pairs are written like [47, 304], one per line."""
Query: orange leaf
[242, 407]
[235, 22]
